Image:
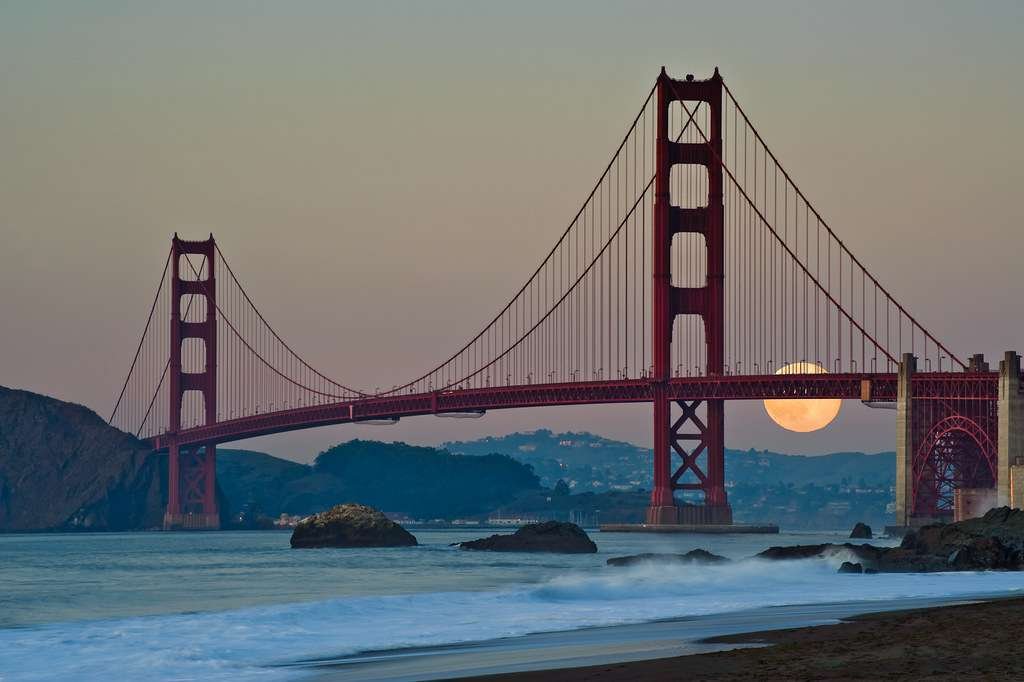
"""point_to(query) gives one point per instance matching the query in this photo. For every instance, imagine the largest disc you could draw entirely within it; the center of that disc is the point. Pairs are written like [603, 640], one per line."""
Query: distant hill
[610, 480]
[255, 479]
[583, 460]
[593, 463]
[62, 467]
[837, 468]
[422, 482]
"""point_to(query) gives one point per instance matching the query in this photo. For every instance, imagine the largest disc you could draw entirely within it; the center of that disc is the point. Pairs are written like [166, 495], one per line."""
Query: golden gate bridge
[695, 271]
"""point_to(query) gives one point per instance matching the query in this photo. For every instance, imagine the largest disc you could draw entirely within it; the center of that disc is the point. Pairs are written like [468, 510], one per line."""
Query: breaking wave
[267, 642]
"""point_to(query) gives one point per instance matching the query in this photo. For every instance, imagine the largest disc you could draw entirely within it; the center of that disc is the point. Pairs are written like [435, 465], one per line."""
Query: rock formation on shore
[694, 556]
[992, 542]
[792, 552]
[350, 525]
[549, 536]
[62, 467]
[861, 531]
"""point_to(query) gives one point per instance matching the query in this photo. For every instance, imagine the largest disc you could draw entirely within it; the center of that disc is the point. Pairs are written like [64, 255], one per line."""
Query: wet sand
[968, 641]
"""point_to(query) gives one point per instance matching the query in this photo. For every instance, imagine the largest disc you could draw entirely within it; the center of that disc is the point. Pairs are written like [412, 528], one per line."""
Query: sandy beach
[967, 641]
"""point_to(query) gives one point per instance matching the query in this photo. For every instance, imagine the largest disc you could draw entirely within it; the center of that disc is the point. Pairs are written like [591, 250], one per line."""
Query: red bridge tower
[707, 436]
[191, 471]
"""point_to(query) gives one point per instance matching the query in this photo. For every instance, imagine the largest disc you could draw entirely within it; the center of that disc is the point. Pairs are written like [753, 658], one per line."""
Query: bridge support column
[173, 488]
[1010, 447]
[191, 472]
[191, 488]
[662, 509]
[719, 510]
[905, 441]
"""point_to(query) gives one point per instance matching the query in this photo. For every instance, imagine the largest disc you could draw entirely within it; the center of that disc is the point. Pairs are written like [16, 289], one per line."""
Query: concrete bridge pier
[905, 440]
[1010, 460]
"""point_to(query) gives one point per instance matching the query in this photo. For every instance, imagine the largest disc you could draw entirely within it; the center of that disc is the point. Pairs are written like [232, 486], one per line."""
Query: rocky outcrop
[889, 559]
[550, 536]
[1002, 524]
[350, 525]
[861, 531]
[792, 552]
[992, 542]
[696, 556]
[850, 567]
[62, 467]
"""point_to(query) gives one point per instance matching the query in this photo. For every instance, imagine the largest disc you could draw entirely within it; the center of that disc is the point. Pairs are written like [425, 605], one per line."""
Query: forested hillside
[422, 482]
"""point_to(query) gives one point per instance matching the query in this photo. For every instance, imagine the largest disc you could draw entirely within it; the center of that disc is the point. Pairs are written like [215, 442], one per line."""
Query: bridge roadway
[850, 386]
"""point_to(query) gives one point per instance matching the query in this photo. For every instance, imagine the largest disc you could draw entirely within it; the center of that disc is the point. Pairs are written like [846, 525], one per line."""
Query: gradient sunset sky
[361, 164]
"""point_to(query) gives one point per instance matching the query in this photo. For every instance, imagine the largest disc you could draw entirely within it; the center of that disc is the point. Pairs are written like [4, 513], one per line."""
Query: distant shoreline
[977, 639]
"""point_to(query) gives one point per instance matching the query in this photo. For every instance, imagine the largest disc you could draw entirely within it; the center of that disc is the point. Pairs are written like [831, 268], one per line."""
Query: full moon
[802, 415]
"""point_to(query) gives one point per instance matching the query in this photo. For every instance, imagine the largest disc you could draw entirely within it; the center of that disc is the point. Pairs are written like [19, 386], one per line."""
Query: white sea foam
[259, 643]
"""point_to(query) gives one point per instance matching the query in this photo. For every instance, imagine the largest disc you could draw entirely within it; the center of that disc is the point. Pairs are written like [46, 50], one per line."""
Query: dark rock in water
[868, 555]
[1004, 525]
[696, 556]
[909, 540]
[794, 552]
[883, 559]
[62, 467]
[899, 560]
[861, 531]
[850, 567]
[992, 542]
[350, 525]
[550, 536]
[982, 554]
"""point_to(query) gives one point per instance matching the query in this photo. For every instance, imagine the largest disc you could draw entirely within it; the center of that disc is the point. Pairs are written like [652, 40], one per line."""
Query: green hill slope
[422, 482]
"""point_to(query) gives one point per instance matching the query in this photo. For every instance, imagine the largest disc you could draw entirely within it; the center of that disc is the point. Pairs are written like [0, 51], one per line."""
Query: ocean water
[243, 605]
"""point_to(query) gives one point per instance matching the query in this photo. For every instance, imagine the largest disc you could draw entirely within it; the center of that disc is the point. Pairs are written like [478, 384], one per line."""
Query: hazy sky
[362, 163]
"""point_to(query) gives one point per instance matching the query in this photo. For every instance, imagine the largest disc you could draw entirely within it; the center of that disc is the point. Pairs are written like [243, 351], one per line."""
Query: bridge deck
[926, 385]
